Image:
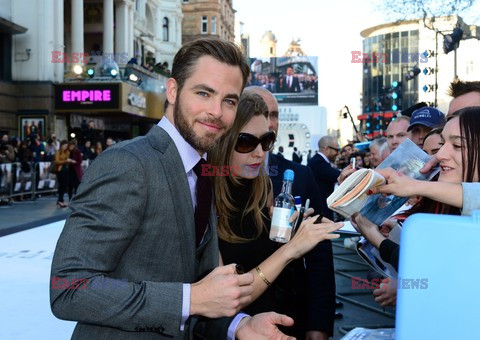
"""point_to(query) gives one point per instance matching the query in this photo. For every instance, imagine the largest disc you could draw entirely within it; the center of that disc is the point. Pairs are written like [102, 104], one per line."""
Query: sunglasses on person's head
[247, 142]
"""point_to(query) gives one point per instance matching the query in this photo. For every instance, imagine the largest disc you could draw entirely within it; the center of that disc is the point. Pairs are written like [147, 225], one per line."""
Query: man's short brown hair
[458, 88]
[222, 50]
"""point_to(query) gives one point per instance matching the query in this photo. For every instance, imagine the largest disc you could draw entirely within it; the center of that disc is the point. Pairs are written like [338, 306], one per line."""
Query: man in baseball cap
[422, 121]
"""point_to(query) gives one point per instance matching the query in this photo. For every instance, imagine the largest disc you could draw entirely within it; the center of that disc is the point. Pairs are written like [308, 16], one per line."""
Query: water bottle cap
[288, 175]
[298, 200]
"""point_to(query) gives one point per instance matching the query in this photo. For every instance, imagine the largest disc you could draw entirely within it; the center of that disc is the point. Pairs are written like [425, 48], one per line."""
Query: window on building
[185, 0]
[165, 29]
[214, 25]
[204, 24]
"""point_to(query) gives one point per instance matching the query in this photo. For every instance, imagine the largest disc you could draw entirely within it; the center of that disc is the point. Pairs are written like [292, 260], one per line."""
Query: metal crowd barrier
[30, 180]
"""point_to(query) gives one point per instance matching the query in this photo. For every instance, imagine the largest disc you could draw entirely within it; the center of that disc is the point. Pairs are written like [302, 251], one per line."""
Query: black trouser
[62, 178]
[73, 182]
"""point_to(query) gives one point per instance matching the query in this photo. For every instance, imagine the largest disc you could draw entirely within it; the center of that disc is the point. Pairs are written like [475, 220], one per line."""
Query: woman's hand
[349, 169]
[309, 235]
[397, 184]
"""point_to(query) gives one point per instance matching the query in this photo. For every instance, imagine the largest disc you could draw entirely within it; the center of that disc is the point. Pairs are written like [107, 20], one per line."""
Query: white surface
[25, 261]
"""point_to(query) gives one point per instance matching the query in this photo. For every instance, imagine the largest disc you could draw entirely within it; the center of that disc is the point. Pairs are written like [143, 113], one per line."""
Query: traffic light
[415, 71]
[378, 123]
[452, 41]
[91, 72]
[369, 124]
[396, 94]
[428, 71]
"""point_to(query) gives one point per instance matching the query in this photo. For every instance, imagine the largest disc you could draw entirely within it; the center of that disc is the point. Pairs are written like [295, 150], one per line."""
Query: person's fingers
[429, 165]
[245, 279]
[387, 172]
[308, 212]
[246, 290]
[294, 216]
[281, 319]
[245, 300]
[227, 269]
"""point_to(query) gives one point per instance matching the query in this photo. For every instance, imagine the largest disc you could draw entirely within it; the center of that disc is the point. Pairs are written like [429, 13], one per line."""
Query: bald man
[397, 132]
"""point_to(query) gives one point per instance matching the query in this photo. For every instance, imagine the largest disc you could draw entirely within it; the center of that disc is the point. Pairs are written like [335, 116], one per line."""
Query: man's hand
[368, 229]
[221, 293]
[263, 326]
[386, 295]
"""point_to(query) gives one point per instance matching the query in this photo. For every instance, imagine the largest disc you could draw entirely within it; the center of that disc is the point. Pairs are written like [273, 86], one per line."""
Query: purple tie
[203, 193]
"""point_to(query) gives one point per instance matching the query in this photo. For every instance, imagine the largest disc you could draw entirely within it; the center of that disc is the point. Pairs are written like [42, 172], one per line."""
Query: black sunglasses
[247, 143]
[335, 149]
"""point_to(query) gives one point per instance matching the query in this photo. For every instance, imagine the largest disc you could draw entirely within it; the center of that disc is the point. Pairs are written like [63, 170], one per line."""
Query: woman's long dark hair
[470, 136]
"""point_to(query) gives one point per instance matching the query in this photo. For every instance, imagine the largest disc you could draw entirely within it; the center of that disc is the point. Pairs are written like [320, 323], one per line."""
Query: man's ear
[172, 88]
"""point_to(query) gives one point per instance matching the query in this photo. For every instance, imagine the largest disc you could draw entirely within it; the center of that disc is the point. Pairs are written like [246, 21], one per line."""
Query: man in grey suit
[130, 240]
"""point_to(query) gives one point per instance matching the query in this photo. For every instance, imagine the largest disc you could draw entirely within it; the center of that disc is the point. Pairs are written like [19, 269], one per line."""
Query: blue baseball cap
[428, 116]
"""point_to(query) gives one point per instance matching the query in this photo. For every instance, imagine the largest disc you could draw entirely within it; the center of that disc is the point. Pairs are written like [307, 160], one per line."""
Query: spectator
[89, 133]
[379, 150]
[326, 175]
[464, 93]
[433, 141]
[62, 161]
[109, 142]
[7, 152]
[349, 149]
[297, 156]
[280, 151]
[75, 171]
[460, 162]
[98, 149]
[422, 121]
[358, 159]
[397, 131]
[88, 153]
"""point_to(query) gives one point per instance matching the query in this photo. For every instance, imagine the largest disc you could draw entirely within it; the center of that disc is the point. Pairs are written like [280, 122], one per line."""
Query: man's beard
[201, 144]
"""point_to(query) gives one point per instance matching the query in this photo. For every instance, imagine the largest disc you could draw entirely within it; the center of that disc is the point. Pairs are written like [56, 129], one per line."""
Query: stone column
[77, 26]
[121, 31]
[108, 26]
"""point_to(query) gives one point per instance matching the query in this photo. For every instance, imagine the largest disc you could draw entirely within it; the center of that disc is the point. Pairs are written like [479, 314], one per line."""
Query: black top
[389, 251]
[286, 294]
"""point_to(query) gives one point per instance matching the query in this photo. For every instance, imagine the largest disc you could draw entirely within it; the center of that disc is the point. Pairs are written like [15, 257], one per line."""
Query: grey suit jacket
[132, 220]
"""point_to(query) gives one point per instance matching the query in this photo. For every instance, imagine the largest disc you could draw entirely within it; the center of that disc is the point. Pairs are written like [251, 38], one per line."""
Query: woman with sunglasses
[243, 197]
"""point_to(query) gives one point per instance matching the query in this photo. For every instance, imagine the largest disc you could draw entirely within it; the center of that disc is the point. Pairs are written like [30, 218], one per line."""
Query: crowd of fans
[67, 156]
[453, 142]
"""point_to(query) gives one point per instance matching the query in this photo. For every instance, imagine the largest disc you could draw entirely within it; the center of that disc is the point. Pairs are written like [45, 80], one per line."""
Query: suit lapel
[176, 179]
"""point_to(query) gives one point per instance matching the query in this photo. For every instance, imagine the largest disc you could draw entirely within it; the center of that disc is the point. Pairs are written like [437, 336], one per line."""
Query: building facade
[208, 18]
[404, 63]
[56, 49]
